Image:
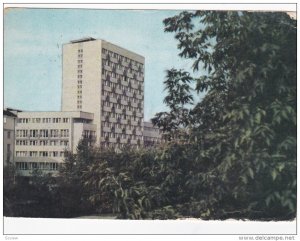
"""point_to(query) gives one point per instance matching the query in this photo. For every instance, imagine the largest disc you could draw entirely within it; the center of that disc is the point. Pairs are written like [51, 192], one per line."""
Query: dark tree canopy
[245, 126]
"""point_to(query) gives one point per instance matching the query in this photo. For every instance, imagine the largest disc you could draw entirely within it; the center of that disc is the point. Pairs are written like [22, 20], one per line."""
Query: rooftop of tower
[86, 39]
[122, 49]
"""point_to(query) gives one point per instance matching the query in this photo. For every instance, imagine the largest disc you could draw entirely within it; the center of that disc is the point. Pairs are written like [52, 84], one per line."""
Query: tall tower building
[107, 80]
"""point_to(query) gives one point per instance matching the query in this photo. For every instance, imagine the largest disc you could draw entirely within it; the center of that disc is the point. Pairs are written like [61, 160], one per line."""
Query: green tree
[9, 188]
[245, 127]
[179, 96]
[139, 184]
[73, 194]
[30, 197]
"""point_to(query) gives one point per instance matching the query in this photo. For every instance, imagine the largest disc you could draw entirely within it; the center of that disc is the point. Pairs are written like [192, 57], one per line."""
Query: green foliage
[148, 183]
[245, 127]
[44, 195]
[9, 187]
[30, 197]
[179, 96]
[73, 195]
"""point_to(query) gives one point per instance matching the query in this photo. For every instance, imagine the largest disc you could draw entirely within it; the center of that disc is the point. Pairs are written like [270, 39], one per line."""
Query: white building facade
[9, 124]
[107, 80]
[41, 138]
[152, 134]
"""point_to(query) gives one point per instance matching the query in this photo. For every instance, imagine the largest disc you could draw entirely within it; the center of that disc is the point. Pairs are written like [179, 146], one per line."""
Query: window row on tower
[123, 106]
[114, 139]
[79, 78]
[121, 60]
[129, 98]
[122, 79]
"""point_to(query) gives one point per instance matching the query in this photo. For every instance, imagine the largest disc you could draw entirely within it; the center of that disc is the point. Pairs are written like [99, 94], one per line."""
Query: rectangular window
[21, 153]
[53, 154]
[33, 143]
[43, 133]
[8, 135]
[64, 133]
[56, 120]
[21, 165]
[46, 120]
[33, 133]
[43, 153]
[53, 166]
[43, 143]
[33, 153]
[53, 133]
[66, 120]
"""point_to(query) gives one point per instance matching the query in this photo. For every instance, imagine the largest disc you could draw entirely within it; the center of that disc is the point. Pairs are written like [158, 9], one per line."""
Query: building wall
[8, 138]
[83, 130]
[152, 134]
[91, 87]
[122, 96]
[43, 137]
[69, 76]
[81, 86]
[102, 78]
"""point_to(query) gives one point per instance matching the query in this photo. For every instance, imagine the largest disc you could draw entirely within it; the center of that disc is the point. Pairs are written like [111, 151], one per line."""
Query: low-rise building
[43, 137]
[152, 134]
[9, 123]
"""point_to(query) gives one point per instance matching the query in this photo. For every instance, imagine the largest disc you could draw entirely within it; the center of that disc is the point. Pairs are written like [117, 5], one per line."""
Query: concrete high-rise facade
[107, 80]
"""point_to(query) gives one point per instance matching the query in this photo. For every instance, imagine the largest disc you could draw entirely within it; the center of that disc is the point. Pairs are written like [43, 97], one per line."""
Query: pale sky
[32, 51]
